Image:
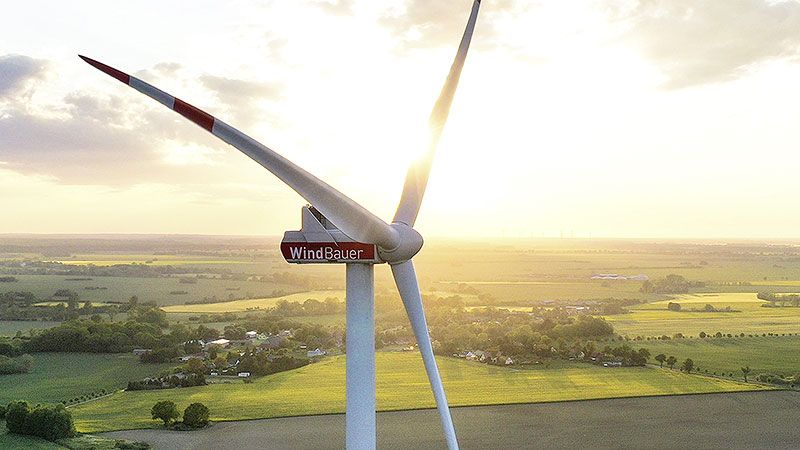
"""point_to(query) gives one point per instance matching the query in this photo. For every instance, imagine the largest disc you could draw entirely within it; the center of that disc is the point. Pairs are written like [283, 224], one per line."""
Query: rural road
[751, 420]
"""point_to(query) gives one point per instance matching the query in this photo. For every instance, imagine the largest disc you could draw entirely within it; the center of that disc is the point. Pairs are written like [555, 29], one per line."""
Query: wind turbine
[336, 229]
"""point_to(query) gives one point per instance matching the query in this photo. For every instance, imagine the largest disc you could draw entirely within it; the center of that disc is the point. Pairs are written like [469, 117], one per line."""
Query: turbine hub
[410, 244]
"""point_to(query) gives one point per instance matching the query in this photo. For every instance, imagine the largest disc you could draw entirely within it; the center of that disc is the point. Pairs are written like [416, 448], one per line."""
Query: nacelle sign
[328, 252]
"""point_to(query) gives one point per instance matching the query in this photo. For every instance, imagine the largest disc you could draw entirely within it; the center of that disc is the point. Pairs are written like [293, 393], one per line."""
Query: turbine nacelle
[410, 244]
[319, 241]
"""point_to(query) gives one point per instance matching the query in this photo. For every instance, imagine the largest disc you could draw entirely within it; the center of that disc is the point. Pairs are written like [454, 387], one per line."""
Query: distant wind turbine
[336, 229]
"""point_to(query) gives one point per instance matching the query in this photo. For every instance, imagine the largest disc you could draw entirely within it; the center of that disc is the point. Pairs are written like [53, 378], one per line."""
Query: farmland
[159, 290]
[771, 354]
[653, 319]
[61, 376]
[253, 304]
[319, 389]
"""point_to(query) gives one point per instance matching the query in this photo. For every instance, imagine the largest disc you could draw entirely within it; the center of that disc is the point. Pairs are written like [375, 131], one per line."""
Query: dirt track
[742, 420]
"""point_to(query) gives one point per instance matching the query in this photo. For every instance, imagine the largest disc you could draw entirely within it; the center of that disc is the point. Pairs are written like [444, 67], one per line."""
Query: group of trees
[23, 305]
[260, 363]
[20, 364]
[195, 415]
[628, 355]
[168, 382]
[147, 327]
[687, 365]
[456, 330]
[671, 284]
[783, 299]
[44, 421]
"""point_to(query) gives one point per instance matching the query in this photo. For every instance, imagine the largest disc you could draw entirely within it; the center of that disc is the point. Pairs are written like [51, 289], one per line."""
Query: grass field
[653, 319]
[255, 303]
[319, 388]
[10, 327]
[120, 289]
[17, 442]
[61, 376]
[779, 355]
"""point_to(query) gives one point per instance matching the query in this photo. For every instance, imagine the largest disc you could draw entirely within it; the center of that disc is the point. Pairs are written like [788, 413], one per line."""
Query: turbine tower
[335, 229]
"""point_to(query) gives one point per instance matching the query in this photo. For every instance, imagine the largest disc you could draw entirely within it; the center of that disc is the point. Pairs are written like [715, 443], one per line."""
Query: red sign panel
[328, 252]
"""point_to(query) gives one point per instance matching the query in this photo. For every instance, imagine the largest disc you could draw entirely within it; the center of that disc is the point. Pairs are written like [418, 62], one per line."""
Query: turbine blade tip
[108, 70]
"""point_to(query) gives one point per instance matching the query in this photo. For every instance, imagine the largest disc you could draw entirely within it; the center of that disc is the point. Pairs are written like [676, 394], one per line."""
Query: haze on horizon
[616, 118]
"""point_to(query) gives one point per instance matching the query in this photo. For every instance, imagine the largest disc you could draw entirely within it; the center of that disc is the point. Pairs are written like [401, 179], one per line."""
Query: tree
[687, 365]
[745, 371]
[220, 362]
[165, 410]
[672, 306]
[661, 358]
[196, 366]
[192, 347]
[196, 415]
[671, 361]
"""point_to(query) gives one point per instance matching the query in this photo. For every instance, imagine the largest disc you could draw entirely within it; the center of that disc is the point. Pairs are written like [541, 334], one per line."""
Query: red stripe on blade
[121, 76]
[197, 116]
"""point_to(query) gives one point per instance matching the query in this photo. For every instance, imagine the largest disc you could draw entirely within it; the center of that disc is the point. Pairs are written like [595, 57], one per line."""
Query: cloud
[695, 42]
[338, 7]
[241, 97]
[19, 74]
[425, 23]
[114, 140]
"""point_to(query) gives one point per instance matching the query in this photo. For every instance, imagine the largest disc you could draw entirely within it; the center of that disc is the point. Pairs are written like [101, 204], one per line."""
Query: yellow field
[653, 319]
[254, 303]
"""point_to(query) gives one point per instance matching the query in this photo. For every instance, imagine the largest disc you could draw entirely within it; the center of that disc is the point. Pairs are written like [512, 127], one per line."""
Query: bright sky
[623, 118]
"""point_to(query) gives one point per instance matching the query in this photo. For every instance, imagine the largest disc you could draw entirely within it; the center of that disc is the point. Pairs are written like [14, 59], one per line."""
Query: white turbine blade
[406, 279]
[417, 176]
[350, 217]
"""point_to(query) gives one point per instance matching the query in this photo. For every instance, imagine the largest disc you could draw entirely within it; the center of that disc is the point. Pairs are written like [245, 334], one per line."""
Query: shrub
[21, 364]
[45, 421]
[2, 412]
[196, 415]
[16, 415]
[50, 422]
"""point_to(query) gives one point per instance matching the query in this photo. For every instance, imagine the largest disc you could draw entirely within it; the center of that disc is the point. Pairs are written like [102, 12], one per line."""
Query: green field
[771, 354]
[61, 376]
[10, 327]
[120, 289]
[653, 319]
[319, 389]
[17, 442]
[252, 304]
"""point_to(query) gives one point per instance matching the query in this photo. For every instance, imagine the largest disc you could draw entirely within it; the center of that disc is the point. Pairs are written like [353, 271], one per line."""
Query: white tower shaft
[360, 346]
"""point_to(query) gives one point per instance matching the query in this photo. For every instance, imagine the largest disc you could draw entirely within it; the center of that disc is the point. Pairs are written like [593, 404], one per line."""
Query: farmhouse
[272, 342]
[141, 351]
[316, 352]
[251, 335]
[220, 342]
